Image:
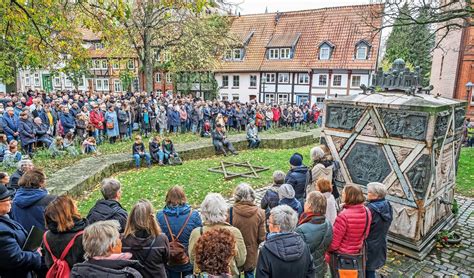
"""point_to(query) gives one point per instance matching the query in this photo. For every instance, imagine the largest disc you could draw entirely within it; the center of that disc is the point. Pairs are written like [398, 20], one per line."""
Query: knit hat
[286, 191]
[317, 153]
[296, 159]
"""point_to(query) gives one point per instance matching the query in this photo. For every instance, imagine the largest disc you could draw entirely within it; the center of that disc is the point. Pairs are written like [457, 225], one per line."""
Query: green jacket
[317, 234]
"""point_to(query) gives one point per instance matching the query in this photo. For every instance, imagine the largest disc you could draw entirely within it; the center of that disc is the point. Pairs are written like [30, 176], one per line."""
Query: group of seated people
[161, 152]
[284, 236]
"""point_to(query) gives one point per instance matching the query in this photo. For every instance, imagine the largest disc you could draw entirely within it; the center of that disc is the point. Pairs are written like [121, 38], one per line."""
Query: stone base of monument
[420, 249]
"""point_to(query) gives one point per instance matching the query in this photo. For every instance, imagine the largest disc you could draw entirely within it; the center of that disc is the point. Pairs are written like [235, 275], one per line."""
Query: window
[303, 78]
[283, 78]
[274, 53]
[101, 84]
[57, 82]
[253, 81]
[269, 77]
[284, 53]
[67, 82]
[131, 64]
[99, 45]
[320, 100]
[324, 53]
[236, 81]
[104, 64]
[168, 78]
[96, 64]
[116, 65]
[337, 80]
[269, 98]
[117, 86]
[37, 79]
[235, 97]
[237, 54]
[228, 55]
[224, 97]
[81, 82]
[158, 78]
[225, 81]
[282, 98]
[355, 82]
[323, 80]
[27, 79]
[361, 53]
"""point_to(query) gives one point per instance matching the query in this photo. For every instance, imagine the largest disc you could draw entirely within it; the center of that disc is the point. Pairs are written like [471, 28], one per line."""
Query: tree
[36, 34]
[398, 43]
[76, 68]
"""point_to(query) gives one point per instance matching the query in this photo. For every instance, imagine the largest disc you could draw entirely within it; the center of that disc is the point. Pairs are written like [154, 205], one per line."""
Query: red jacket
[97, 119]
[348, 229]
[276, 114]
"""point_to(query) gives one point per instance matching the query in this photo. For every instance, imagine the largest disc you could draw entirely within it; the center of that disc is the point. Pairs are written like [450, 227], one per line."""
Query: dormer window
[236, 54]
[279, 53]
[282, 46]
[325, 50]
[362, 50]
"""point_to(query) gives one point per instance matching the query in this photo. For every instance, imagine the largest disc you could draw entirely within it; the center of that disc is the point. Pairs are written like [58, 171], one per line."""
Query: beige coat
[319, 171]
[240, 250]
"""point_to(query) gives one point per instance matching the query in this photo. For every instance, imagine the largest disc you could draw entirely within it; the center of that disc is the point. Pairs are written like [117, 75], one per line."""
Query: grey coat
[317, 234]
[162, 119]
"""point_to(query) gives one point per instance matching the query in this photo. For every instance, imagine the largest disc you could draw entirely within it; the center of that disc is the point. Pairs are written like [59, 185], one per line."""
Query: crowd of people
[300, 228]
[60, 121]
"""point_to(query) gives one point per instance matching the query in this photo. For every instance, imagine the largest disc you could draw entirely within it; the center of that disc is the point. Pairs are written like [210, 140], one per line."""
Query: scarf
[305, 217]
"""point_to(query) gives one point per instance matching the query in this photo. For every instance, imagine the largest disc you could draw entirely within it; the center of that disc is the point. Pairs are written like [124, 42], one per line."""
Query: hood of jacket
[287, 247]
[26, 197]
[383, 208]
[79, 225]
[177, 210]
[300, 169]
[245, 209]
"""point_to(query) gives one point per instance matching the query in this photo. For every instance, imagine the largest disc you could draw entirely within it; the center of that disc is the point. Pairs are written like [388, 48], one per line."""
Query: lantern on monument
[397, 133]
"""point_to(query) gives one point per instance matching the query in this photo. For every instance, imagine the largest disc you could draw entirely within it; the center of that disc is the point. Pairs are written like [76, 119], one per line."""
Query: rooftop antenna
[266, 9]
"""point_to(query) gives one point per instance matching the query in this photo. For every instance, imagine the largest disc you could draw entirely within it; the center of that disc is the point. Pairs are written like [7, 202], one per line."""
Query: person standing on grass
[112, 125]
[109, 208]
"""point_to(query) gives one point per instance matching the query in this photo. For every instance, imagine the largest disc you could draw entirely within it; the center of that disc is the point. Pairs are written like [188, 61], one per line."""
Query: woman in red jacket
[352, 224]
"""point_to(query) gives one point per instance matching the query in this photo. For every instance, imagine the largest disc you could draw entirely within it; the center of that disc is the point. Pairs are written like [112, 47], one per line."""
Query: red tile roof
[342, 26]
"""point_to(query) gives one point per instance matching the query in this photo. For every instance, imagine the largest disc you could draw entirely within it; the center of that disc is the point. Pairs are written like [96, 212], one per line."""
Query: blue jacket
[173, 118]
[9, 124]
[270, 200]
[297, 178]
[176, 218]
[27, 132]
[382, 217]
[293, 203]
[28, 207]
[67, 121]
[13, 261]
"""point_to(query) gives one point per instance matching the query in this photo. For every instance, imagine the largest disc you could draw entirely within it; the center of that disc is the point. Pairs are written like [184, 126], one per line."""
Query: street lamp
[469, 86]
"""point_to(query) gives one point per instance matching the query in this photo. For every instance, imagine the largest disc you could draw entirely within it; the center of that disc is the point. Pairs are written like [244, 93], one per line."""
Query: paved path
[445, 262]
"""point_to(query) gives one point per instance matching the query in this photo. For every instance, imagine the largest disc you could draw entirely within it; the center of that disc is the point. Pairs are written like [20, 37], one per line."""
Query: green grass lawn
[194, 176]
[465, 177]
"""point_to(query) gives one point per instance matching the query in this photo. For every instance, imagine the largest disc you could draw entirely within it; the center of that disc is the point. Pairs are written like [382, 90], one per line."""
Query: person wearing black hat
[297, 176]
[220, 142]
[14, 262]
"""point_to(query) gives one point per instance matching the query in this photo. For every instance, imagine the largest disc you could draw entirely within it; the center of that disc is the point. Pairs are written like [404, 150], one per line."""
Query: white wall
[244, 91]
[3, 88]
[62, 85]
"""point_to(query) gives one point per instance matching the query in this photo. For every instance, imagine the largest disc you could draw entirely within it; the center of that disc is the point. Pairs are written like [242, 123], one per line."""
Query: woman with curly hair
[213, 251]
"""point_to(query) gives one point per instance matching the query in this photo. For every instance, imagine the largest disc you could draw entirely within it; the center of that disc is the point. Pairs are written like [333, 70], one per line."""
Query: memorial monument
[397, 133]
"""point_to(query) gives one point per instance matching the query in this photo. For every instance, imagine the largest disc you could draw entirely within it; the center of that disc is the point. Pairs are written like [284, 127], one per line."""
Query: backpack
[60, 267]
[178, 255]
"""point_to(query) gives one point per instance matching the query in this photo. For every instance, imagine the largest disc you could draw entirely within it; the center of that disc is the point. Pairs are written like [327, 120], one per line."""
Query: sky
[259, 6]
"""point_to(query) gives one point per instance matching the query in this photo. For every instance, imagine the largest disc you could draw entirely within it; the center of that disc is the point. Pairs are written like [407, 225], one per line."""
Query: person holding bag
[347, 250]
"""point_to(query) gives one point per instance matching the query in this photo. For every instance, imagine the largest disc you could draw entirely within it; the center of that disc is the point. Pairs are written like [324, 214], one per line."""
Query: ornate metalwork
[442, 123]
[409, 125]
[367, 163]
[343, 117]
[459, 116]
[419, 176]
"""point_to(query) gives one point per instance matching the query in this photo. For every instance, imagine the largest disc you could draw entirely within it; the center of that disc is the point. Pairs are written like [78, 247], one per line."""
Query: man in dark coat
[10, 124]
[41, 132]
[27, 133]
[23, 166]
[284, 253]
[297, 176]
[382, 217]
[14, 262]
[220, 141]
[109, 208]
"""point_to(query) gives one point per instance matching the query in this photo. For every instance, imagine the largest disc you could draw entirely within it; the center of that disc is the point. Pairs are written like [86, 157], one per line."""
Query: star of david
[251, 173]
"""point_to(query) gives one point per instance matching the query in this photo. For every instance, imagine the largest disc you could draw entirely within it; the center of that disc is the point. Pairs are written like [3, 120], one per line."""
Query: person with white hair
[322, 167]
[214, 214]
[286, 193]
[246, 216]
[103, 253]
[22, 167]
[284, 253]
[382, 217]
